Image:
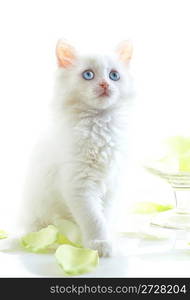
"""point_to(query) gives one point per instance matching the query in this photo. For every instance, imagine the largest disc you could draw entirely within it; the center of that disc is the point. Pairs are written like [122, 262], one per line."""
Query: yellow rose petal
[69, 230]
[178, 150]
[40, 241]
[48, 239]
[62, 239]
[146, 235]
[76, 261]
[184, 162]
[150, 207]
[3, 234]
[178, 144]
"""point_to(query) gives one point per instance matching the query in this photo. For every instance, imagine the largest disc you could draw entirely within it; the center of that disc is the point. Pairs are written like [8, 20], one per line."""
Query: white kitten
[74, 172]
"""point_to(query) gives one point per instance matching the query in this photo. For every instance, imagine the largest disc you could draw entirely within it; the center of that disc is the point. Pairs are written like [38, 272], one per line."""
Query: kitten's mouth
[105, 93]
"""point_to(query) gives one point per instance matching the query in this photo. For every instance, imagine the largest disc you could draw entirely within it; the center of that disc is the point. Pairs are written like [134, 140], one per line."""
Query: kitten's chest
[97, 140]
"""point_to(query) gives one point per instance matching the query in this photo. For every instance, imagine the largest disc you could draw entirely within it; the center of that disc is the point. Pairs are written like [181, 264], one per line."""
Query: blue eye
[114, 75]
[88, 75]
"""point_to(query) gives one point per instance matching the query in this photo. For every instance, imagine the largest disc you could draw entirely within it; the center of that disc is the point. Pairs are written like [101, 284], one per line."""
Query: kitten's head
[98, 81]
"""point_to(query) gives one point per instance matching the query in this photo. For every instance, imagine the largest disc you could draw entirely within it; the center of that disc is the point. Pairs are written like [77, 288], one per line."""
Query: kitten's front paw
[104, 247]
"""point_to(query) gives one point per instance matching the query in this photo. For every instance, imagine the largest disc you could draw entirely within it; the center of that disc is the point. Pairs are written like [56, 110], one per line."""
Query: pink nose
[104, 84]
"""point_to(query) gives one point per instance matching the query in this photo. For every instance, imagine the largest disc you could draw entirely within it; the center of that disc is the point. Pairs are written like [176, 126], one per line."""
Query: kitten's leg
[85, 203]
[111, 214]
[110, 209]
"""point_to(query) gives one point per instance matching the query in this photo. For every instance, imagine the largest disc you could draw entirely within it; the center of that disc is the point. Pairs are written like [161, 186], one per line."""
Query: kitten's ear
[125, 51]
[65, 53]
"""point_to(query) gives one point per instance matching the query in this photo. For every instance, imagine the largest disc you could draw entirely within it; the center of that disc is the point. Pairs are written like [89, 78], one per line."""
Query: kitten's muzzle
[104, 89]
[105, 93]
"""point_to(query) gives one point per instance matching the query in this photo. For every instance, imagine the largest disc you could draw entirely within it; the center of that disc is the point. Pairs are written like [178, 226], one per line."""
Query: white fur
[74, 171]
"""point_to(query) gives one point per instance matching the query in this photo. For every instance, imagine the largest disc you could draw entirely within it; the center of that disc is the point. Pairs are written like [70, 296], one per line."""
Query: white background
[29, 30]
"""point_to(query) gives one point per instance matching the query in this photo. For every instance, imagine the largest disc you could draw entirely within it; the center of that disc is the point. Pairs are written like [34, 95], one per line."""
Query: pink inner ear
[65, 54]
[124, 51]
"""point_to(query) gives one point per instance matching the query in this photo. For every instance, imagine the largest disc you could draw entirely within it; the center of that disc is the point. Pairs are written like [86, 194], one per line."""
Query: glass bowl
[179, 217]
